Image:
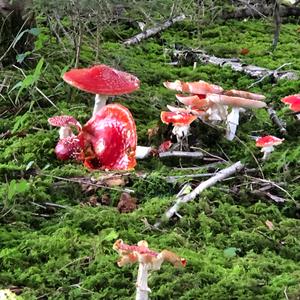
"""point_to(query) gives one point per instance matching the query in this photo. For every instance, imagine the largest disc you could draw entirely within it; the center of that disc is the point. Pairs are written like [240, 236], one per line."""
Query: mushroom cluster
[147, 259]
[209, 103]
[107, 141]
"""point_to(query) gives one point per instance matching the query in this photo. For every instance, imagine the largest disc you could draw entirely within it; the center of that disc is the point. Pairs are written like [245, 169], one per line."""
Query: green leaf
[34, 31]
[111, 236]
[231, 252]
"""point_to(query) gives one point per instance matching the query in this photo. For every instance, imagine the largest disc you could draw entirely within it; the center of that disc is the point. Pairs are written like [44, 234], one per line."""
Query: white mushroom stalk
[232, 119]
[266, 151]
[64, 132]
[100, 101]
[147, 259]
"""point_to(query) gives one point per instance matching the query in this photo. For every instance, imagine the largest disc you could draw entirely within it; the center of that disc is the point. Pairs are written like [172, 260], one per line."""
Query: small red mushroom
[65, 123]
[267, 144]
[103, 81]
[69, 148]
[180, 120]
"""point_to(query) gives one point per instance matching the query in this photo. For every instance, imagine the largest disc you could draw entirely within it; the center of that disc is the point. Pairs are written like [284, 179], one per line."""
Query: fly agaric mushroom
[106, 141]
[237, 103]
[65, 123]
[147, 259]
[103, 81]
[294, 103]
[180, 120]
[110, 139]
[198, 87]
[267, 144]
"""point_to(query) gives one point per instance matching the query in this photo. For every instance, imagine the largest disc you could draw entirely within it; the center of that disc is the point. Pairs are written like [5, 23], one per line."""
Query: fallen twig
[152, 31]
[196, 154]
[192, 55]
[276, 121]
[238, 166]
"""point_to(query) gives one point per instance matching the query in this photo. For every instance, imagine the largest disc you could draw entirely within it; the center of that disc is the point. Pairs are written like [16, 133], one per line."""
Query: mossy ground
[68, 253]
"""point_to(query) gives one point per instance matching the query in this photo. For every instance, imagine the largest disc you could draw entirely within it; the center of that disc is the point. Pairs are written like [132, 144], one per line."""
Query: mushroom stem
[142, 288]
[100, 101]
[180, 131]
[142, 152]
[64, 132]
[232, 123]
[267, 151]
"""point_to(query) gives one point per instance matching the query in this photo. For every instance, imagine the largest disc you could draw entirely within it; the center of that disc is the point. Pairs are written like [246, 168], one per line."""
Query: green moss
[66, 253]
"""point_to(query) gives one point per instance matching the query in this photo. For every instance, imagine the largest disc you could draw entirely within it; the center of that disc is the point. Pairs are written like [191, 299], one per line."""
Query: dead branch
[196, 154]
[153, 31]
[221, 175]
[276, 121]
[192, 55]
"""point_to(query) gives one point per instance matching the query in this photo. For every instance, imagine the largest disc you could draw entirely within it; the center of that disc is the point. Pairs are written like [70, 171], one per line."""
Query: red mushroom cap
[196, 101]
[110, 139]
[62, 121]
[198, 87]
[102, 79]
[293, 101]
[177, 119]
[268, 141]
[69, 148]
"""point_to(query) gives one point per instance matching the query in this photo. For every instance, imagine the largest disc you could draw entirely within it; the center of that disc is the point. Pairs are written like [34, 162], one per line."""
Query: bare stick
[276, 121]
[196, 154]
[152, 31]
[192, 55]
[238, 166]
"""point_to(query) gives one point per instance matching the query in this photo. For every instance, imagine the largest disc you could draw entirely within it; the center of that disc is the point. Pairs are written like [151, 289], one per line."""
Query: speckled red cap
[102, 79]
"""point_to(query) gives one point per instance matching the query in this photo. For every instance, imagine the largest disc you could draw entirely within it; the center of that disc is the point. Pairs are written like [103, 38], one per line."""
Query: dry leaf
[126, 203]
[269, 224]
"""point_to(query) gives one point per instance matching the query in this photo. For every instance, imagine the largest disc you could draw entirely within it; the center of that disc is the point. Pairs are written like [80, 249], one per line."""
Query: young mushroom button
[103, 81]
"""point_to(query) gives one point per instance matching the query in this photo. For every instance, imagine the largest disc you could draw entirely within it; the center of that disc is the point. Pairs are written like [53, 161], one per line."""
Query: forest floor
[239, 242]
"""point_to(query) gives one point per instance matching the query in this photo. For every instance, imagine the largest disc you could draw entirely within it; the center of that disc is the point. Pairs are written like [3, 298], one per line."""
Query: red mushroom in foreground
[267, 144]
[103, 81]
[110, 139]
[147, 259]
[294, 103]
[106, 141]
